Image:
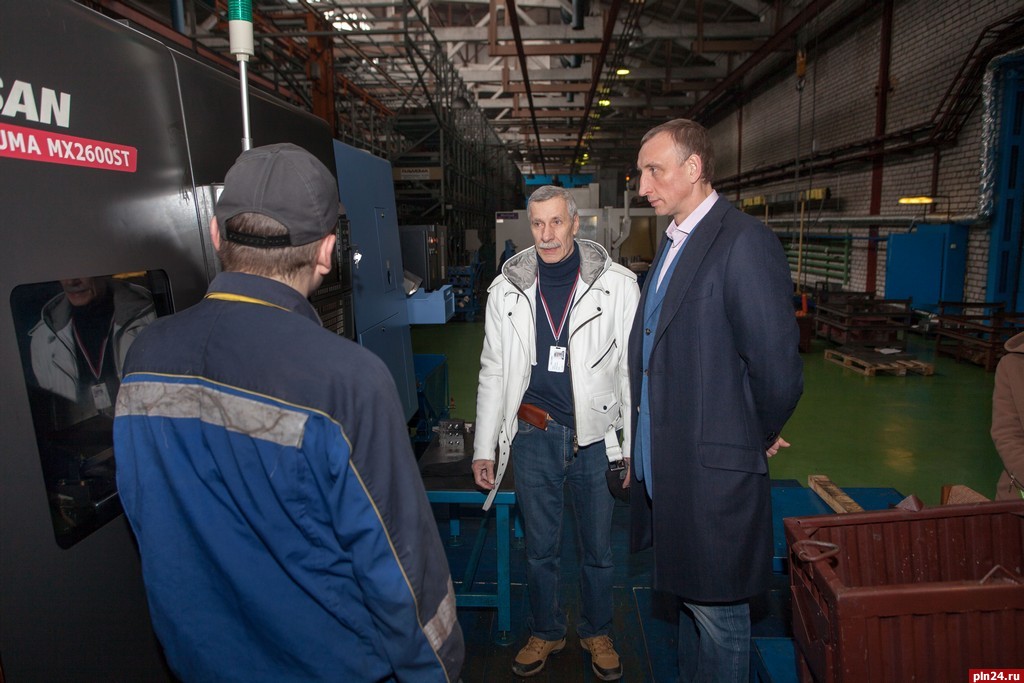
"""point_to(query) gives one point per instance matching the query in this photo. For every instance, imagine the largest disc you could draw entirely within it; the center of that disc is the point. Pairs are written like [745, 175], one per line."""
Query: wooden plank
[958, 494]
[833, 496]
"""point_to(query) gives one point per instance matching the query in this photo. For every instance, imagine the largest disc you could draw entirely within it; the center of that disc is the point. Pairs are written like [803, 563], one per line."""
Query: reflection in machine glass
[73, 335]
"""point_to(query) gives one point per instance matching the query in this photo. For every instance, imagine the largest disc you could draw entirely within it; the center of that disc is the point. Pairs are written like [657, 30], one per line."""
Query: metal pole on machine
[241, 46]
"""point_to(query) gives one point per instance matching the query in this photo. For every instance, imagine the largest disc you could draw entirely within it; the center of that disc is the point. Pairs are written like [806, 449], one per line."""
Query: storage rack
[975, 332]
[860, 318]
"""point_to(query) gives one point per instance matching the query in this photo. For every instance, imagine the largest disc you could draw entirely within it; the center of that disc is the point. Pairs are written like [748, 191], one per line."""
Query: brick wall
[837, 106]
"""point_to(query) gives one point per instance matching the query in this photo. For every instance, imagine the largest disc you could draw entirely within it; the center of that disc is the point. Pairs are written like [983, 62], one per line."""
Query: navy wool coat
[724, 376]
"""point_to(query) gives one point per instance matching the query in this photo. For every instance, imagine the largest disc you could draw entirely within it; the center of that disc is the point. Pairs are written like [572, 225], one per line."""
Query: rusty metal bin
[896, 595]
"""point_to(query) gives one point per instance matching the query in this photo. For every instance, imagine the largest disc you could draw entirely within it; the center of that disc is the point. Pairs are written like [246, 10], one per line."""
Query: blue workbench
[501, 514]
[448, 479]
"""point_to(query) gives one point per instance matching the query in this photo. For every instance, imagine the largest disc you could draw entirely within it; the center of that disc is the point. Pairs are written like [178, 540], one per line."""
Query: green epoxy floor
[913, 433]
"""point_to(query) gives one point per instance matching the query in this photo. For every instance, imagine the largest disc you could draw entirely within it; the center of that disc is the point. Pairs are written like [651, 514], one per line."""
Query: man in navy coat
[716, 372]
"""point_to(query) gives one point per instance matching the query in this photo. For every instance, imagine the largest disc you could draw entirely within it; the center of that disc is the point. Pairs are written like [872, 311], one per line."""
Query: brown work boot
[531, 659]
[603, 657]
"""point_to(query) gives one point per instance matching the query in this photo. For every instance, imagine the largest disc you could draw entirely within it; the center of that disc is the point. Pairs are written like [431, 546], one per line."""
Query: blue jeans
[714, 643]
[544, 463]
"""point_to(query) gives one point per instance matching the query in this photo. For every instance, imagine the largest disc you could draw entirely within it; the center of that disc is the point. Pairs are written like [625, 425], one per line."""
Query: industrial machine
[112, 146]
[425, 256]
[367, 190]
[424, 253]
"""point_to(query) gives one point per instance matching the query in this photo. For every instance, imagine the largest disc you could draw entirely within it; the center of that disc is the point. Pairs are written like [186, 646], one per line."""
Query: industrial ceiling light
[622, 72]
[604, 103]
[924, 200]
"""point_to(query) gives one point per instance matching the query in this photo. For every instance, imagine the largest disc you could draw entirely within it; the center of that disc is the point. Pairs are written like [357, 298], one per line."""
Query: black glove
[616, 474]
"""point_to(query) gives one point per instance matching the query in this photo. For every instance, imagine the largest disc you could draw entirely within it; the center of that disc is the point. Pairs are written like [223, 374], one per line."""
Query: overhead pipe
[908, 140]
[878, 163]
[889, 221]
[598, 67]
[575, 21]
[990, 129]
[178, 15]
[788, 31]
[510, 8]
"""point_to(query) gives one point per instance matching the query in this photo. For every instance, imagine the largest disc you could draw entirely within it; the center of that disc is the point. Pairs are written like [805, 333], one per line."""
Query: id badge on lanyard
[556, 353]
[100, 395]
[556, 359]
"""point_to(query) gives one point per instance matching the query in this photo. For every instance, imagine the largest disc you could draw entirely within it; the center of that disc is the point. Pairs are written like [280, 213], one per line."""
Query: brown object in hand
[531, 414]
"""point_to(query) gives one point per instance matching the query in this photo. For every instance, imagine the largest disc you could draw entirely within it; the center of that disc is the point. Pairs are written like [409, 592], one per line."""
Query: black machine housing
[112, 146]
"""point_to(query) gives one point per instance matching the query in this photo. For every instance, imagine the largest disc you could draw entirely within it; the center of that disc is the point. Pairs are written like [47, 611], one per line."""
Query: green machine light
[241, 45]
[240, 29]
[240, 10]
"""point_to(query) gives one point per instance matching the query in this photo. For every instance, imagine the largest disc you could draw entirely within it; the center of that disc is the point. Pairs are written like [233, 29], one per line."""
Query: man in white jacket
[554, 391]
[81, 340]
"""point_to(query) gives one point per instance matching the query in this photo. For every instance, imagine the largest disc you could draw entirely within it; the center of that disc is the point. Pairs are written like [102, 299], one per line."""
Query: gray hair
[546, 192]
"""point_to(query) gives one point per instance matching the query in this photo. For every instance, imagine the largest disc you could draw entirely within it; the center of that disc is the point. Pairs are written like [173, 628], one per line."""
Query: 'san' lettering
[53, 107]
[21, 101]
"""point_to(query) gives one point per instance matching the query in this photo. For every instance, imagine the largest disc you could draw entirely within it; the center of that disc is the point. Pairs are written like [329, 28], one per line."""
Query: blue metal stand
[501, 511]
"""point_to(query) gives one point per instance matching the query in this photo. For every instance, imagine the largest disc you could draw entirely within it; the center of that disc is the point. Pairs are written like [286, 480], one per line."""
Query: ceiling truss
[562, 85]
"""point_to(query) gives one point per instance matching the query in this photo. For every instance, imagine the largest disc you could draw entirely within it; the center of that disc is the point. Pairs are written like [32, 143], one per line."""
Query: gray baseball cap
[283, 182]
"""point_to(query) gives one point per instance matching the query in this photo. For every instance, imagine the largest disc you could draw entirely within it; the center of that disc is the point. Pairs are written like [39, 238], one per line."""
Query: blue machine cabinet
[367, 190]
[1005, 282]
[927, 265]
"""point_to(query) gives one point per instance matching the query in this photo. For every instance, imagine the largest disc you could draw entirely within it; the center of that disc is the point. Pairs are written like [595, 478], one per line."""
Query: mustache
[549, 245]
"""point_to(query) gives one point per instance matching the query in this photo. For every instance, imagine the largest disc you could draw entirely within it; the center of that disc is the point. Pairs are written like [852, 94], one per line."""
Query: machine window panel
[73, 335]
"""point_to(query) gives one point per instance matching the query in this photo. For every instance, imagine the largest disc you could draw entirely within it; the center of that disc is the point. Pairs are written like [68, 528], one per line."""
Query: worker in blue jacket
[266, 469]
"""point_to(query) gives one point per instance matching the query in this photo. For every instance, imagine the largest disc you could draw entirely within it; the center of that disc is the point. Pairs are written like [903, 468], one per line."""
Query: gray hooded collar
[130, 301]
[521, 269]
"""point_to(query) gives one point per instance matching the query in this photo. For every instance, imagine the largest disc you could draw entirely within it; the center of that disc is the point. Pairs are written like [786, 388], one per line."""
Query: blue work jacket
[266, 469]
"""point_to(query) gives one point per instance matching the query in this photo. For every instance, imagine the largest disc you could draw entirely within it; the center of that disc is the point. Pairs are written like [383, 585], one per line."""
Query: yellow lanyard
[224, 296]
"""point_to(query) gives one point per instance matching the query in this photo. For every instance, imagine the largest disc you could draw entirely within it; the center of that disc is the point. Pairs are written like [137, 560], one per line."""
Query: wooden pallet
[870, 369]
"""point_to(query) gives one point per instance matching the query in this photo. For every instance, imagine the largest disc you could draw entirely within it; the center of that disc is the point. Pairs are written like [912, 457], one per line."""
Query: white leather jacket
[599, 325]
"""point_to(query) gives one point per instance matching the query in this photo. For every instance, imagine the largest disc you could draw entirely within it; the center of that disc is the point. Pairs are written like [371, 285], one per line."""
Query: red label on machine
[18, 142]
